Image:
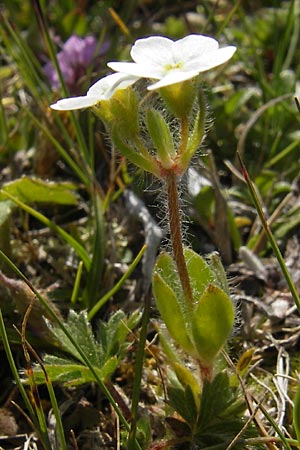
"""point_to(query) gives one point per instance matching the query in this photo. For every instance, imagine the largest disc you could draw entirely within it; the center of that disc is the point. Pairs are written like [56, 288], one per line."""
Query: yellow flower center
[169, 67]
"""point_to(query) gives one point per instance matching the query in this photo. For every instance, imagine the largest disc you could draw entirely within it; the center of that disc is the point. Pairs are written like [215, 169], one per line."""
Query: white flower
[172, 62]
[101, 90]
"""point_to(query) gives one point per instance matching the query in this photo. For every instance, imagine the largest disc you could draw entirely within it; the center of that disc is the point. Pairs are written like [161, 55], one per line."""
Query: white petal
[67, 104]
[141, 71]
[105, 87]
[154, 50]
[211, 59]
[193, 46]
[173, 77]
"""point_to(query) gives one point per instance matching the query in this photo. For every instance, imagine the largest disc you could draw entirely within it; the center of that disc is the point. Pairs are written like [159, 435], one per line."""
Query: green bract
[161, 138]
[121, 109]
[212, 323]
[203, 328]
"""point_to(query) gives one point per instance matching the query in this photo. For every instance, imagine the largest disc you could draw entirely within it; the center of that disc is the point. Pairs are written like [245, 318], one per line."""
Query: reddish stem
[175, 233]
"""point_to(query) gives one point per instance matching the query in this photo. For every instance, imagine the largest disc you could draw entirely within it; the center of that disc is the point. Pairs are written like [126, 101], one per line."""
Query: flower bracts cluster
[203, 328]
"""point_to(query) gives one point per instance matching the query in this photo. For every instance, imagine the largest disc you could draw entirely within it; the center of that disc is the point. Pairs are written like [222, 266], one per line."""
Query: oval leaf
[199, 272]
[170, 311]
[212, 323]
[30, 190]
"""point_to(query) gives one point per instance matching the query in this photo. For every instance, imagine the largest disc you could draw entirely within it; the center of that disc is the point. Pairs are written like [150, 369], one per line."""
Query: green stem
[131, 444]
[176, 237]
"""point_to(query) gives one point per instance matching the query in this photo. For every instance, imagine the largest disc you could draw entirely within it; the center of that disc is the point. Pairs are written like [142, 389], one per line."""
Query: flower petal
[211, 59]
[105, 87]
[153, 50]
[141, 71]
[173, 77]
[193, 47]
[67, 104]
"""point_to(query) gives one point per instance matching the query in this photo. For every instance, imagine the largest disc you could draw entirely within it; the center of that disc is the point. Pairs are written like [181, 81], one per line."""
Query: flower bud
[161, 138]
[179, 98]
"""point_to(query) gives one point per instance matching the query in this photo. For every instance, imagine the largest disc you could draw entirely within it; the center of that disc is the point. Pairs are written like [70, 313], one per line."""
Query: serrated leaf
[80, 328]
[70, 373]
[212, 323]
[220, 417]
[171, 312]
[30, 190]
[215, 398]
[112, 335]
[183, 402]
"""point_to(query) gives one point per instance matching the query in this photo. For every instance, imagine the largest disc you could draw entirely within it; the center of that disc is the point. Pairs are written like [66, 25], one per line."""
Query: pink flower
[76, 56]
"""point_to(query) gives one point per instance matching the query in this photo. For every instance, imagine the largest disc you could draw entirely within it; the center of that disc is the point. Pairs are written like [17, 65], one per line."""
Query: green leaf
[144, 431]
[186, 378]
[70, 373]
[81, 330]
[216, 397]
[183, 402]
[5, 212]
[166, 268]
[145, 162]
[171, 312]
[217, 267]
[220, 417]
[104, 354]
[199, 272]
[31, 190]
[212, 323]
[112, 335]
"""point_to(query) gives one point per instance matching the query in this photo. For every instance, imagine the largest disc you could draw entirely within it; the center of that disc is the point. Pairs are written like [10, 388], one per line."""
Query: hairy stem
[176, 237]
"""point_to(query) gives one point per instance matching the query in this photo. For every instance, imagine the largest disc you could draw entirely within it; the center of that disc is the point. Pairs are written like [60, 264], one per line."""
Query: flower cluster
[170, 62]
[174, 66]
[158, 58]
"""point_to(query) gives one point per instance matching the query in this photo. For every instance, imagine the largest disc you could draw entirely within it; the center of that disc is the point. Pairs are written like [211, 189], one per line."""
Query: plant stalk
[176, 235]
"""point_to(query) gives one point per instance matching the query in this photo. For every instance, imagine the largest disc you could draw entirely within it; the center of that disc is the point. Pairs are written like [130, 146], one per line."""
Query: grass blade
[117, 286]
[269, 235]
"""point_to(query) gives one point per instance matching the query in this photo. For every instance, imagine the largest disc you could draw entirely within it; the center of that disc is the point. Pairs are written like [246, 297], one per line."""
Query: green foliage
[252, 104]
[203, 328]
[161, 137]
[218, 420]
[104, 353]
[172, 313]
[212, 323]
[199, 271]
[31, 190]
